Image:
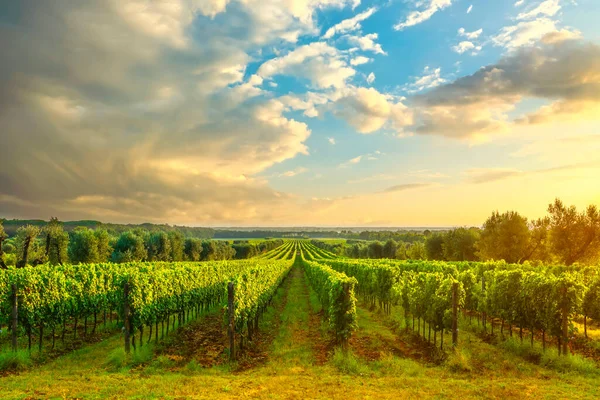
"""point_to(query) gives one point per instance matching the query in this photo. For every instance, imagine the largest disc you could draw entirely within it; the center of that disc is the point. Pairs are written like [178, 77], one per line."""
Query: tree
[84, 246]
[26, 236]
[3, 237]
[574, 236]
[505, 237]
[103, 242]
[176, 239]
[193, 249]
[159, 247]
[459, 244]
[389, 249]
[129, 248]
[376, 250]
[416, 251]
[434, 246]
[57, 242]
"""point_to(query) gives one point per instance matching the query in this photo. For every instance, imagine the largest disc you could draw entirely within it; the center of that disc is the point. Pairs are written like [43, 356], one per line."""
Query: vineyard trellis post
[231, 320]
[15, 317]
[454, 314]
[126, 320]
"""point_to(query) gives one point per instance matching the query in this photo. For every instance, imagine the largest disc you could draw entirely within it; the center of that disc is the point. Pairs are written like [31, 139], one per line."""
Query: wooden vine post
[127, 322]
[15, 317]
[454, 314]
[231, 320]
[346, 291]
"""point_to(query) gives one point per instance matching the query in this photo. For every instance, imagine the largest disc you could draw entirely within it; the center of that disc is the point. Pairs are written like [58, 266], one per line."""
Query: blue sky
[298, 112]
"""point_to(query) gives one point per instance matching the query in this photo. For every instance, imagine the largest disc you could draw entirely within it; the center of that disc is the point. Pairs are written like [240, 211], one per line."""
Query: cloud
[486, 175]
[292, 173]
[546, 8]
[371, 78]
[477, 105]
[367, 110]
[465, 46]
[527, 33]
[431, 78]
[360, 60]
[353, 161]
[331, 140]
[417, 17]
[318, 62]
[367, 43]
[519, 3]
[165, 126]
[470, 35]
[349, 25]
[470, 9]
[406, 186]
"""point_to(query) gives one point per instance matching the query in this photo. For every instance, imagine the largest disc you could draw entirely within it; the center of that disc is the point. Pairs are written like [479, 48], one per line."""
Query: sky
[298, 112]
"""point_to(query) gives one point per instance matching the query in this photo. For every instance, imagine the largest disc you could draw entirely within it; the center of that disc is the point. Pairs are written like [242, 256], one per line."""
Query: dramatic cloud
[417, 17]
[349, 25]
[565, 73]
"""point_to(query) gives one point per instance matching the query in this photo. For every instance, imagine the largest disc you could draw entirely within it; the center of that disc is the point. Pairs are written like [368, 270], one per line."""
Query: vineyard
[432, 311]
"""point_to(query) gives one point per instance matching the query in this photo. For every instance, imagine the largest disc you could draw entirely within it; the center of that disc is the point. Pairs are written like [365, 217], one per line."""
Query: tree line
[565, 235]
[52, 244]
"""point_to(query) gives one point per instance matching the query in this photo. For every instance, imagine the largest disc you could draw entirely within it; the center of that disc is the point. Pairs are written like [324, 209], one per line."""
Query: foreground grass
[380, 364]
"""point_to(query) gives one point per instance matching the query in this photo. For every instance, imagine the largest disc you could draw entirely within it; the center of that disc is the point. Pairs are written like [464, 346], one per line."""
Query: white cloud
[519, 3]
[331, 140]
[547, 8]
[465, 46]
[349, 25]
[371, 78]
[430, 79]
[360, 60]
[417, 17]
[319, 62]
[525, 33]
[470, 9]
[470, 35]
[367, 43]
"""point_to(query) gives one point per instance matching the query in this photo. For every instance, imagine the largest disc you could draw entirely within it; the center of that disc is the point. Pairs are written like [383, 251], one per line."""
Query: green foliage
[27, 248]
[505, 237]
[15, 361]
[129, 248]
[336, 294]
[434, 246]
[459, 244]
[84, 246]
[574, 236]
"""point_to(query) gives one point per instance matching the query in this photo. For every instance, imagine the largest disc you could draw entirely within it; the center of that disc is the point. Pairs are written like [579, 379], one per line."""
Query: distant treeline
[12, 225]
[33, 245]
[565, 236]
